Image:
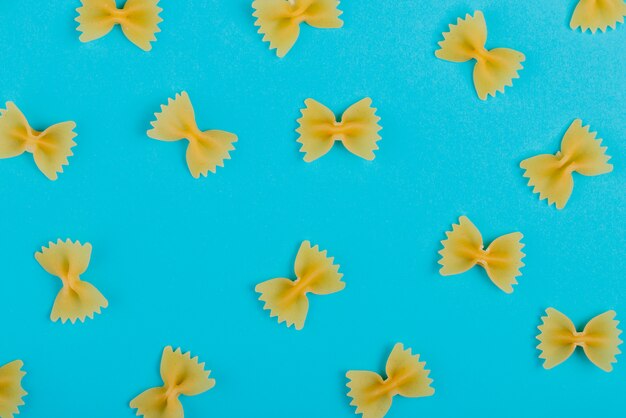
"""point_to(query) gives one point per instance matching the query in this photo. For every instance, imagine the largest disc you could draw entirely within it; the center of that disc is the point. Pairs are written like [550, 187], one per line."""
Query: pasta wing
[556, 338]
[496, 69]
[504, 260]
[323, 14]
[208, 151]
[175, 121]
[184, 373]
[277, 24]
[461, 248]
[65, 259]
[360, 129]
[407, 375]
[601, 340]
[316, 271]
[54, 147]
[598, 14]
[362, 385]
[285, 301]
[547, 177]
[462, 41]
[317, 128]
[14, 131]
[95, 19]
[583, 151]
[11, 391]
[141, 23]
[155, 403]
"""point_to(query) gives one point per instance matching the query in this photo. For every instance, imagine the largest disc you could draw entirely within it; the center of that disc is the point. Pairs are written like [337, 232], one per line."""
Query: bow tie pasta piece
[494, 69]
[50, 148]
[315, 274]
[406, 376]
[598, 14]
[559, 338]
[552, 175]
[139, 20]
[463, 249]
[357, 130]
[77, 299]
[11, 391]
[206, 150]
[279, 20]
[181, 375]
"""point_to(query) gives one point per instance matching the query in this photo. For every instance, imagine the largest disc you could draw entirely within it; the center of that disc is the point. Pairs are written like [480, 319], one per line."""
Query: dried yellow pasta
[206, 150]
[279, 20]
[598, 14]
[139, 20]
[552, 175]
[50, 147]
[181, 375]
[77, 299]
[463, 249]
[406, 376]
[11, 391]
[494, 69]
[315, 274]
[559, 338]
[357, 130]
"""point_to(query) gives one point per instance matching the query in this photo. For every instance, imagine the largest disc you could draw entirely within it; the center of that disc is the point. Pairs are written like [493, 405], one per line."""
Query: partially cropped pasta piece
[357, 130]
[77, 299]
[598, 14]
[552, 175]
[139, 20]
[406, 376]
[206, 150]
[279, 20]
[599, 339]
[494, 68]
[315, 273]
[11, 391]
[181, 375]
[50, 147]
[463, 249]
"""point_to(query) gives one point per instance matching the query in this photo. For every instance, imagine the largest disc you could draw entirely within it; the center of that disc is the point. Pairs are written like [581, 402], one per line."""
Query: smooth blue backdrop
[178, 258]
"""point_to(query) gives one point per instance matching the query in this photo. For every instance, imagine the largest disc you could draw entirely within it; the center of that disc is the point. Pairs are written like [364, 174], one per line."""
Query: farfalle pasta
[279, 20]
[406, 376]
[494, 68]
[463, 249]
[50, 147]
[139, 20]
[357, 130]
[552, 175]
[598, 14]
[181, 375]
[206, 149]
[315, 273]
[11, 390]
[559, 338]
[77, 299]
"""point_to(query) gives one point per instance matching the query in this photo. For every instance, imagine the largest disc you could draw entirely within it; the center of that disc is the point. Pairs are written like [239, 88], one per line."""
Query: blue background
[178, 258]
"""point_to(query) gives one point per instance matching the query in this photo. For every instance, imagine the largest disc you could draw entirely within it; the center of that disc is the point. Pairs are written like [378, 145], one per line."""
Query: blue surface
[178, 258]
